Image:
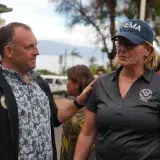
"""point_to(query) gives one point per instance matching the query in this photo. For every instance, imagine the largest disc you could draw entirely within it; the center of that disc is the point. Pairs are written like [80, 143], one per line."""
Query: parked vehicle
[57, 84]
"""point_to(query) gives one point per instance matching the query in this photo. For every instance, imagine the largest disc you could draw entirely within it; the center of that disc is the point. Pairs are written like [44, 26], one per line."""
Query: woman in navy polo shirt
[123, 111]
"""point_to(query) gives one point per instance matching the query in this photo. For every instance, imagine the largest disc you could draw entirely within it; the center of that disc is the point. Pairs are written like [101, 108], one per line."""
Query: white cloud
[39, 14]
[46, 24]
[51, 63]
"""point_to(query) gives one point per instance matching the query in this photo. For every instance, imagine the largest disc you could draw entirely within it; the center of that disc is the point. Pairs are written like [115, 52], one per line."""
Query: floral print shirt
[34, 117]
[70, 132]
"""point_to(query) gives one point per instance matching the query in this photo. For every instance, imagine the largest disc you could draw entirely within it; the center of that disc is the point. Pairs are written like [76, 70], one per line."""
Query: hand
[84, 95]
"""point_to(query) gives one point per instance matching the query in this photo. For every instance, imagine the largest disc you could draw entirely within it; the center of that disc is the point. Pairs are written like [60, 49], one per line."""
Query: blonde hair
[150, 62]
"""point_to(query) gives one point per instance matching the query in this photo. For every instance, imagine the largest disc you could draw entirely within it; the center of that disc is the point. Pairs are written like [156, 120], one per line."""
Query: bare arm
[66, 111]
[86, 137]
[69, 110]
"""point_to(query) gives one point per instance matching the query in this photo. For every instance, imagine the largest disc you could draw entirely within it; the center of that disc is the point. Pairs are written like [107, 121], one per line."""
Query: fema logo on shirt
[145, 94]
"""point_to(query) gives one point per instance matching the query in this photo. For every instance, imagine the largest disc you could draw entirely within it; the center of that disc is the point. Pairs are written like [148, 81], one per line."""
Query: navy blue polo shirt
[128, 128]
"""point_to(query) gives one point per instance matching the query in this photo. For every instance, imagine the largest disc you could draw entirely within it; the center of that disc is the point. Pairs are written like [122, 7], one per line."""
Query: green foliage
[97, 13]
[45, 72]
[91, 13]
[93, 69]
[92, 60]
[152, 15]
[63, 72]
[105, 50]
[131, 10]
[75, 53]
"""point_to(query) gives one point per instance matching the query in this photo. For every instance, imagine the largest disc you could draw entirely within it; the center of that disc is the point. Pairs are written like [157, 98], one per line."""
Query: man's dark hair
[7, 33]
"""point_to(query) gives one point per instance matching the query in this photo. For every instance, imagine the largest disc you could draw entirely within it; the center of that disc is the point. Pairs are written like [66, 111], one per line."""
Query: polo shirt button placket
[118, 111]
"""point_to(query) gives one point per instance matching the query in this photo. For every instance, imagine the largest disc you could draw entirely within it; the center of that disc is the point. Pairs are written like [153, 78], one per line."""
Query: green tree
[152, 15]
[45, 72]
[100, 14]
[92, 64]
[92, 61]
[95, 13]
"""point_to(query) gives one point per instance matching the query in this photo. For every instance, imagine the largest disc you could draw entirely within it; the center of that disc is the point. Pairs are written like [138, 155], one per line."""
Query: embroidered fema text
[132, 25]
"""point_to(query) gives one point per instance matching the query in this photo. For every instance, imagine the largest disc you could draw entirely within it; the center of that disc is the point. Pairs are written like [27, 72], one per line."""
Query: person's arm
[86, 137]
[53, 107]
[70, 109]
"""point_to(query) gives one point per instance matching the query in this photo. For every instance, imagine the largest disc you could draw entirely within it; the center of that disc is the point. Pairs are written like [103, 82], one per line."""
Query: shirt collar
[16, 75]
[147, 75]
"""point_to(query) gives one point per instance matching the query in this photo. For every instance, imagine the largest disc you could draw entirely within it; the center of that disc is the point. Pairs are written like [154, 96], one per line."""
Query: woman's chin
[123, 63]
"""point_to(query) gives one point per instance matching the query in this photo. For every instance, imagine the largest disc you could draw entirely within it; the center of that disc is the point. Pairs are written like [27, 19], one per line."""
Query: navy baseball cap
[136, 31]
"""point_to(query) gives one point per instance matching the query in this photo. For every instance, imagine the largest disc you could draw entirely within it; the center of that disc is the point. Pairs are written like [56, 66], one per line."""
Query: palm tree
[75, 53]
[92, 60]
[95, 14]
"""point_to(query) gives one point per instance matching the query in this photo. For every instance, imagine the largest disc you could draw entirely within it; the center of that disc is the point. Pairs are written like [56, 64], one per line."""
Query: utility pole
[142, 10]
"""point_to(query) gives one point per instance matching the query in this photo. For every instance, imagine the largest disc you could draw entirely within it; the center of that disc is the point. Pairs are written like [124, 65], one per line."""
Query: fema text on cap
[132, 25]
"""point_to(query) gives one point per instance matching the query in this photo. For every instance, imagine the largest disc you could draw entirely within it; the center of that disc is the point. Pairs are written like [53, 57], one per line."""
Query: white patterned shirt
[35, 141]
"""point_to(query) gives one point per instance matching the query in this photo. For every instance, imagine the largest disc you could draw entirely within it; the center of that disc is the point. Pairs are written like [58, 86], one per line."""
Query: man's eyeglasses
[123, 42]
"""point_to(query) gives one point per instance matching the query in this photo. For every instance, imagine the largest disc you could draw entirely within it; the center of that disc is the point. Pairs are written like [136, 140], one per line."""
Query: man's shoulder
[40, 81]
[43, 84]
[2, 89]
[2, 80]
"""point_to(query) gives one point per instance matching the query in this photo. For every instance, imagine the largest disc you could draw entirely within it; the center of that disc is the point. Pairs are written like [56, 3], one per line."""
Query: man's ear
[8, 51]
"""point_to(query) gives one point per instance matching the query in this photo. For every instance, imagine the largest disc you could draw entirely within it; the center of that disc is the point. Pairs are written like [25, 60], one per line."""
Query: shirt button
[118, 111]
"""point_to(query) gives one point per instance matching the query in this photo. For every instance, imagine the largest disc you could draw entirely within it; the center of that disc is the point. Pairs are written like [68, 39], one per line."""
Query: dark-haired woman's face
[72, 88]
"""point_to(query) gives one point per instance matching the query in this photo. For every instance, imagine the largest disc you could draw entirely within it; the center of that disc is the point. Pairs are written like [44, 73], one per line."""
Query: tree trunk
[112, 6]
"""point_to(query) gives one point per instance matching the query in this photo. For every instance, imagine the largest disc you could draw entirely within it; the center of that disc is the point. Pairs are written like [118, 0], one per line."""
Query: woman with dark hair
[79, 77]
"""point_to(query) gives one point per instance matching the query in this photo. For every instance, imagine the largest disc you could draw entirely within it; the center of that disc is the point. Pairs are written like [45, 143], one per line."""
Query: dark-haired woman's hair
[81, 75]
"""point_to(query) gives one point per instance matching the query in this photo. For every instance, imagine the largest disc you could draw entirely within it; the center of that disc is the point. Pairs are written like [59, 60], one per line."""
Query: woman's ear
[77, 85]
[149, 49]
[146, 54]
